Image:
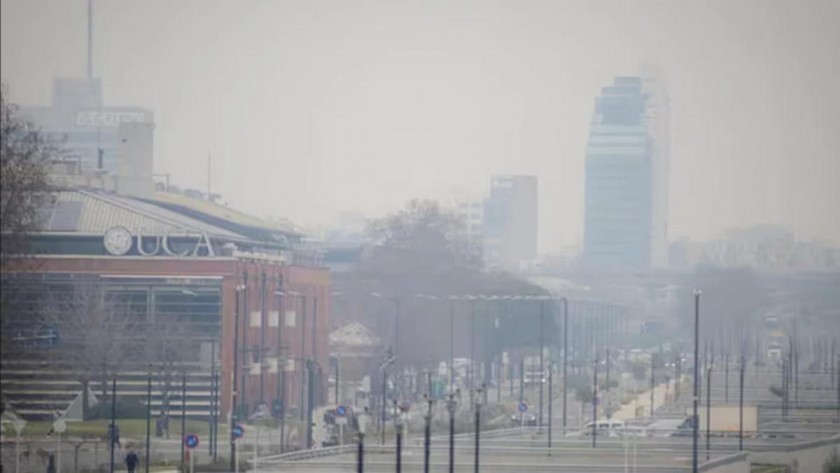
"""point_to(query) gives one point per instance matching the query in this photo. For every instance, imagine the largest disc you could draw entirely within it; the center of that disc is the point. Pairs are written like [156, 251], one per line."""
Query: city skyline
[297, 118]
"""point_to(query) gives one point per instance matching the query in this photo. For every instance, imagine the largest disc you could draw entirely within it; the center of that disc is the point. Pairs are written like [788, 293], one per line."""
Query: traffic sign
[523, 407]
[191, 441]
[238, 431]
[597, 401]
[341, 421]
[341, 410]
[59, 426]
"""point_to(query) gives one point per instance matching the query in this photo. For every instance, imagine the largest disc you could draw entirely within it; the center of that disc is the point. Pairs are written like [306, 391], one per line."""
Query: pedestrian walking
[131, 461]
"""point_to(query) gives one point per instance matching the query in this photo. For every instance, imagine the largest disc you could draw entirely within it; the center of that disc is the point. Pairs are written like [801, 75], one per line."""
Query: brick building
[242, 312]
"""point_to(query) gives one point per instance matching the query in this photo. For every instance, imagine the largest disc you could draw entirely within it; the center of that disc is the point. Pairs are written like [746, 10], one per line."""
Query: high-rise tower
[625, 223]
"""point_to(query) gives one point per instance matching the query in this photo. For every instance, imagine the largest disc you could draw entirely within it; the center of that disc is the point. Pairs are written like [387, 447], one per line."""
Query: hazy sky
[315, 107]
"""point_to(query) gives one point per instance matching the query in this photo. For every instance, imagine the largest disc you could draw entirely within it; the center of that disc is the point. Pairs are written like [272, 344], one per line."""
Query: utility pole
[399, 439]
[695, 422]
[451, 341]
[607, 388]
[427, 437]
[565, 356]
[451, 407]
[726, 382]
[542, 368]
[652, 387]
[113, 436]
[741, 408]
[148, 415]
[478, 428]
[550, 391]
[595, 401]
[709, 409]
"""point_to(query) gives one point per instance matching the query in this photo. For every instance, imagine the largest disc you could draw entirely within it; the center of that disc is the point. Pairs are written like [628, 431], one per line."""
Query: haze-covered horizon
[313, 109]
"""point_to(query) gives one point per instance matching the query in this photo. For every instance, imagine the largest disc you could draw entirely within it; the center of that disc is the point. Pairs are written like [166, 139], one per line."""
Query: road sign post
[523, 408]
[191, 442]
[341, 411]
[59, 426]
[238, 432]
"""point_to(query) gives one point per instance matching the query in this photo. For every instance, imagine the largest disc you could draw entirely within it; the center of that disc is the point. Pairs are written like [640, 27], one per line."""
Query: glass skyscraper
[626, 177]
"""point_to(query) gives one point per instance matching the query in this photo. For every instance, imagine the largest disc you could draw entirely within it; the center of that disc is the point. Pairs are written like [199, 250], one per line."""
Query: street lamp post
[148, 415]
[452, 340]
[709, 408]
[695, 422]
[234, 394]
[595, 401]
[427, 440]
[399, 437]
[741, 407]
[113, 436]
[550, 390]
[452, 406]
[478, 427]
[565, 356]
[542, 368]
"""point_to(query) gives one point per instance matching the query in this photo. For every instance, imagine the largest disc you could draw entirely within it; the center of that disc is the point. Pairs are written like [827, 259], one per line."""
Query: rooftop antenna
[90, 39]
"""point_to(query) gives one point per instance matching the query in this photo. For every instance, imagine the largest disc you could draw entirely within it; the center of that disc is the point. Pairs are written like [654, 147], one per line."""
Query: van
[605, 427]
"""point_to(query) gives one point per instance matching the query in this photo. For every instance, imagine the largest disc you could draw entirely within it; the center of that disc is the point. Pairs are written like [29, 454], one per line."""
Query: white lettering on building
[94, 119]
[159, 245]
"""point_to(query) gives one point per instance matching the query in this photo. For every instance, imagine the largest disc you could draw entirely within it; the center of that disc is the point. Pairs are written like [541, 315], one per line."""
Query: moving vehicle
[724, 422]
[605, 428]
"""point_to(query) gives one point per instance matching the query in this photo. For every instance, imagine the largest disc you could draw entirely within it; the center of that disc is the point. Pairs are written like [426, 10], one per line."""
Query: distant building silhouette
[626, 177]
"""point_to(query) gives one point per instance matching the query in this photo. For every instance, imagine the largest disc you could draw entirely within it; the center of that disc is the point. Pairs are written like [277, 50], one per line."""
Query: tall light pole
[542, 368]
[565, 356]
[452, 405]
[695, 422]
[233, 417]
[148, 414]
[478, 428]
[595, 401]
[452, 300]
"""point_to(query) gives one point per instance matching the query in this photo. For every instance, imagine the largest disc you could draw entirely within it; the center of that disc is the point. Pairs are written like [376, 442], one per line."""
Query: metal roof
[93, 212]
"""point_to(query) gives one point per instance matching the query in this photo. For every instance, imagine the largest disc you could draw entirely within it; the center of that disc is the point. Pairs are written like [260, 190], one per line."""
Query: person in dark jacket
[131, 461]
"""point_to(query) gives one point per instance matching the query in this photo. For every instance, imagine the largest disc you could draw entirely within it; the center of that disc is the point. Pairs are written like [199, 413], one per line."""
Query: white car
[605, 428]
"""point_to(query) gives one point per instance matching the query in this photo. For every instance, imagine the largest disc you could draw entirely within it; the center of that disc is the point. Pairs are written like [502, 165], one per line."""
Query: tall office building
[625, 223]
[510, 221]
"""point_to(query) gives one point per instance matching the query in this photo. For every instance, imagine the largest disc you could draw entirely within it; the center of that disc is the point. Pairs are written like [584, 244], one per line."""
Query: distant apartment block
[509, 221]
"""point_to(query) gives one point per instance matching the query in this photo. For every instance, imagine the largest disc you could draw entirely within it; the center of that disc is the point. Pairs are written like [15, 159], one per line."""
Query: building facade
[510, 221]
[90, 128]
[221, 301]
[625, 224]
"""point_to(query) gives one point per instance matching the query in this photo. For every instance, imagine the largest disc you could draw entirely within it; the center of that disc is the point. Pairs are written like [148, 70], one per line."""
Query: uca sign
[118, 241]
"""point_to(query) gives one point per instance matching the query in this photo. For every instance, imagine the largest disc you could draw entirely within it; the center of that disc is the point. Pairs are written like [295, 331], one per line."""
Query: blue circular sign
[597, 401]
[238, 431]
[522, 407]
[341, 410]
[191, 441]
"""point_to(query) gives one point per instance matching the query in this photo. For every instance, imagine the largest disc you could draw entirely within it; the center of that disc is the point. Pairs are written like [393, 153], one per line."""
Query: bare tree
[25, 153]
[96, 337]
[424, 236]
[166, 352]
